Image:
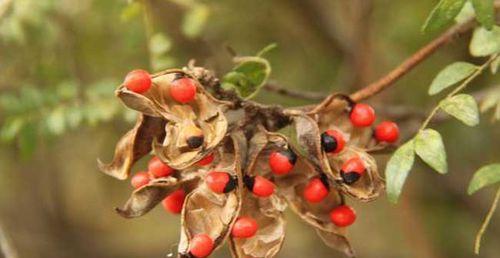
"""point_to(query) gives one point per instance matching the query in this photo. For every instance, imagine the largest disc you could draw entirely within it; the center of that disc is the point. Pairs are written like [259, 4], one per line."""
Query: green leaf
[159, 44]
[55, 121]
[485, 42]
[466, 13]
[131, 11]
[11, 128]
[494, 65]
[443, 14]
[430, 148]
[485, 12]
[450, 75]
[248, 76]
[485, 176]
[397, 170]
[194, 20]
[463, 107]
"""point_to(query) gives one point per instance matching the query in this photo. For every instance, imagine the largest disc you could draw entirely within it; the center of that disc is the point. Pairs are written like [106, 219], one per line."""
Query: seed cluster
[233, 180]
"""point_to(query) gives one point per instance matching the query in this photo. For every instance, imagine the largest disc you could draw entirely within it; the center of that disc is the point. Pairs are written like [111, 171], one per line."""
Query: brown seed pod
[206, 212]
[134, 145]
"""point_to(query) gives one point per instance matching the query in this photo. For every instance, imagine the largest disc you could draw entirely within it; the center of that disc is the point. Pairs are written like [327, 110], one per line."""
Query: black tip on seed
[350, 177]
[231, 185]
[290, 155]
[328, 142]
[195, 141]
[324, 180]
[178, 76]
[249, 182]
[186, 255]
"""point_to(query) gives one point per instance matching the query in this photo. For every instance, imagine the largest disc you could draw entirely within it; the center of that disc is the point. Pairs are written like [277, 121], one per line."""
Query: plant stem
[477, 243]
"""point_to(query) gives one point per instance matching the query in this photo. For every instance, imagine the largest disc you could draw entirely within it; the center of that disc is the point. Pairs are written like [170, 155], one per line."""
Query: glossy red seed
[343, 216]
[262, 187]
[339, 139]
[138, 81]
[315, 191]
[362, 115]
[183, 90]
[201, 245]
[354, 165]
[140, 179]
[217, 181]
[157, 168]
[387, 131]
[173, 202]
[206, 160]
[244, 227]
[282, 162]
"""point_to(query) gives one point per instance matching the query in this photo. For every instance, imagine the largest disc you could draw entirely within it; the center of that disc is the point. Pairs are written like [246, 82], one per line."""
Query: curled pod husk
[206, 212]
[203, 117]
[291, 187]
[366, 188]
[269, 238]
[145, 198]
[134, 145]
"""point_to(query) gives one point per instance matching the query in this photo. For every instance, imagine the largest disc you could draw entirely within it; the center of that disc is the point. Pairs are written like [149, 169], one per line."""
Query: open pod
[206, 212]
[135, 144]
[369, 184]
[193, 129]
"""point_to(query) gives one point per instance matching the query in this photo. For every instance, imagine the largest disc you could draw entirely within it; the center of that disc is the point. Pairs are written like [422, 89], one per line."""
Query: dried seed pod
[193, 128]
[134, 145]
[206, 212]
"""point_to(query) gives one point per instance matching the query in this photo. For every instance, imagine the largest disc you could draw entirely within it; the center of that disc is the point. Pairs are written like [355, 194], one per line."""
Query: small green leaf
[131, 11]
[430, 148]
[443, 14]
[159, 44]
[463, 107]
[248, 76]
[55, 121]
[450, 75]
[11, 128]
[485, 42]
[485, 176]
[466, 13]
[194, 20]
[485, 12]
[397, 170]
[494, 65]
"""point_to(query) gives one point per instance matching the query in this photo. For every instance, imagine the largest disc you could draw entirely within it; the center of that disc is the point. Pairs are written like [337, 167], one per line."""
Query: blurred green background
[61, 60]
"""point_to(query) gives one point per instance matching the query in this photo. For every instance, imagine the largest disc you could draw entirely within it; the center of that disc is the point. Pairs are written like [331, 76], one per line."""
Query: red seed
[315, 191]
[173, 202]
[262, 187]
[217, 181]
[282, 162]
[140, 179]
[343, 216]
[354, 164]
[332, 141]
[183, 90]
[159, 169]
[206, 160]
[201, 245]
[244, 227]
[362, 115]
[387, 131]
[138, 81]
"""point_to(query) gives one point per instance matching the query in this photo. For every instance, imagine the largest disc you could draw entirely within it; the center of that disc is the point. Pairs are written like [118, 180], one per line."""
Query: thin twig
[477, 243]
[307, 95]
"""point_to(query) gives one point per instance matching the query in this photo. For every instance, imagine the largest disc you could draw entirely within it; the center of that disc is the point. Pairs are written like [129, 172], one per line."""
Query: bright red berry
[201, 245]
[332, 141]
[157, 168]
[140, 179]
[343, 216]
[244, 227]
[183, 90]
[282, 162]
[174, 201]
[362, 115]
[259, 185]
[206, 160]
[315, 191]
[387, 131]
[220, 182]
[352, 170]
[138, 81]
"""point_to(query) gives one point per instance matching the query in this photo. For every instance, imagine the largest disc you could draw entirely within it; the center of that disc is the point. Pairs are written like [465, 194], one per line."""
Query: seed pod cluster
[234, 180]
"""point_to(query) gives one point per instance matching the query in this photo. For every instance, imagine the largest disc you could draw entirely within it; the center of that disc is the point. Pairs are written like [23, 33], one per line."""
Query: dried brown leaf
[336, 241]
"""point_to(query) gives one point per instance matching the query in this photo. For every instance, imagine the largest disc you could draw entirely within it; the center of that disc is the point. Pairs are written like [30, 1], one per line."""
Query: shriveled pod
[145, 198]
[293, 186]
[213, 214]
[193, 128]
[369, 183]
[135, 144]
